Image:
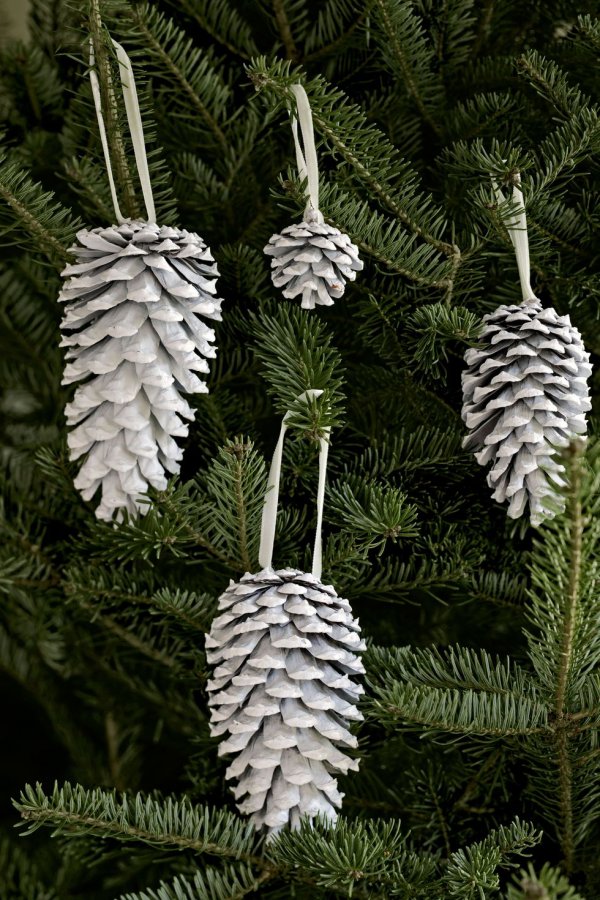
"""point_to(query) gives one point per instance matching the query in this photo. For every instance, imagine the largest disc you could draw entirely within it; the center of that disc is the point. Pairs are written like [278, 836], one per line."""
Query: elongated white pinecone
[525, 393]
[313, 260]
[135, 339]
[285, 649]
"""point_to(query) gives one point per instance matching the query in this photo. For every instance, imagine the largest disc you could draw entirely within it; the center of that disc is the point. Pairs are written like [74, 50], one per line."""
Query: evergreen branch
[297, 356]
[413, 707]
[549, 883]
[378, 189]
[501, 589]
[411, 450]
[363, 147]
[81, 178]
[222, 22]
[167, 822]
[48, 225]
[175, 54]
[566, 657]
[344, 856]
[22, 877]
[357, 20]
[409, 56]
[550, 82]
[454, 667]
[235, 485]
[472, 872]
[103, 55]
[432, 328]
[587, 34]
[372, 513]
[194, 611]
[130, 636]
[231, 883]
[396, 581]
[285, 31]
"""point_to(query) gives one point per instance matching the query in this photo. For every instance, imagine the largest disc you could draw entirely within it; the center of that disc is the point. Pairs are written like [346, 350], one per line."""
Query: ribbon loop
[269, 516]
[308, 167]
[136, 128]
[517, 231]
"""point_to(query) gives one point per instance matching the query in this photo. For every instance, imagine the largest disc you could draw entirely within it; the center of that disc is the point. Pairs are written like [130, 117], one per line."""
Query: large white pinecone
[313, 260]
[525, 393]
[285, 649]
[136, 339]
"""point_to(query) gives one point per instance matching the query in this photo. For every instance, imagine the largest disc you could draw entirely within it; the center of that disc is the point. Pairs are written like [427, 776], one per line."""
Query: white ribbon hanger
[134, 120]
[269, 516]
[517, 230]
[308, 167]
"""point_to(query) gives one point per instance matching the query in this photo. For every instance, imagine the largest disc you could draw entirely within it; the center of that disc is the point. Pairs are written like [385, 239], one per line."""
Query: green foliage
[472, 872]
[38, 222]
[297, 357]
[209, 884]
[483, 698]
[429, 331]
[373, 513]
[547, 884]
[168, 821]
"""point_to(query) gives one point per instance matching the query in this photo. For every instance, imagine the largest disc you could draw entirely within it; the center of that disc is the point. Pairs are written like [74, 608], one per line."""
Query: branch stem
[285, 31]
[565, 769]
[120, 164]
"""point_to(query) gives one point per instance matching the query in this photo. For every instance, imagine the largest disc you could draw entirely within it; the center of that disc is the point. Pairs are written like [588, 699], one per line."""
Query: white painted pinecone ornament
[284, 692]
[136, 300]
[313, 260]
[525, 393]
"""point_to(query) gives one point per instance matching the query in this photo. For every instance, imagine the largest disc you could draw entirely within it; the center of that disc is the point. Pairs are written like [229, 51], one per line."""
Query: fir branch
[192, 610]
[344, 856]
[572, 598]
[297, 355]
[234, 485]
[359, 14]
[460, 712]
[551, 83]
[405, 48]
[47, 225]
[365, 150]
[231, 883]
[168, 822]
[179, 58]
[285, 31]
[223, 23]
[372, 513]
[103, 55]
[472, 872]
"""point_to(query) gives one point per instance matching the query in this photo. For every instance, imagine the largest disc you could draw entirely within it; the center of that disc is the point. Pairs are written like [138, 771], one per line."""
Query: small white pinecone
[525, 393]
[283, 690]
[313, 260]
[135, 339]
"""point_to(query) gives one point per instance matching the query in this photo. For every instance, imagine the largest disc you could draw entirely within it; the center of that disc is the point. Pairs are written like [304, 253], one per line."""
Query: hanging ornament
[134, 324]
[311, 260]
[284, 687]
[525, 393]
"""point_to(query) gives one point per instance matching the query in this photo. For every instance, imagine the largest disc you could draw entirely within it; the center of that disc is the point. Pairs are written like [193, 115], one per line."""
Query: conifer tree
[480, 767]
